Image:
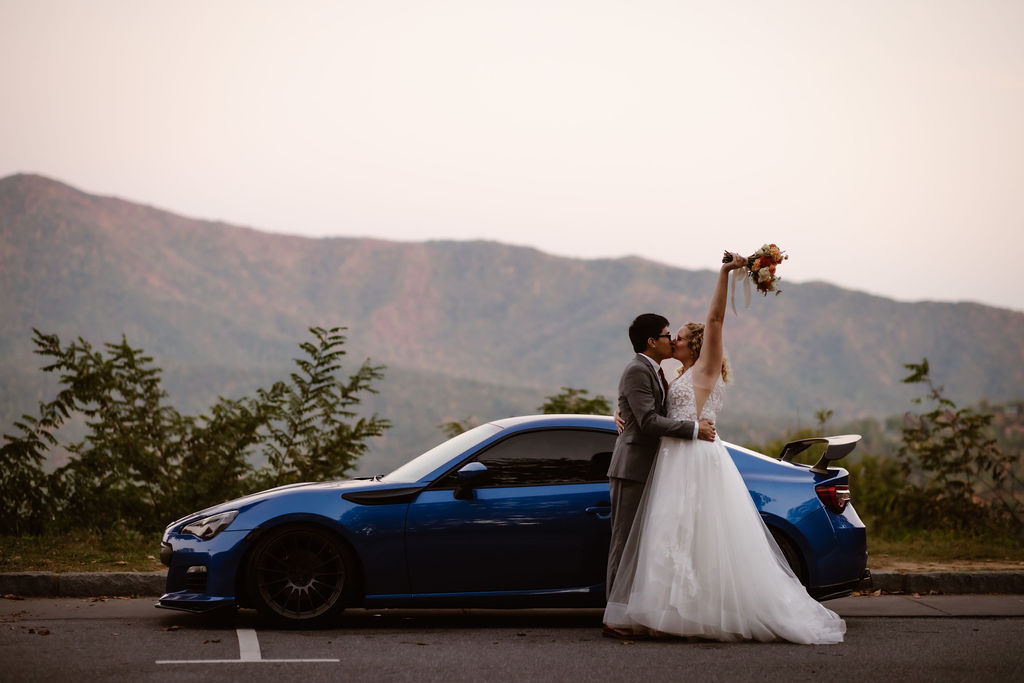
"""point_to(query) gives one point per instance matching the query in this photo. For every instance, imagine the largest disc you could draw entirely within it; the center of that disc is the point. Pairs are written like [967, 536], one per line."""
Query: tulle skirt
[700, 561]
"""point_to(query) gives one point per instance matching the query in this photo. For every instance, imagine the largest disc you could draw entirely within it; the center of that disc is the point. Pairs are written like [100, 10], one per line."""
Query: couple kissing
[690, 555]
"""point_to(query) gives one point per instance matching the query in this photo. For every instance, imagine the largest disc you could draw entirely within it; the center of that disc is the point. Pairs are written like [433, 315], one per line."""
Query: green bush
[948, 474]
[574, 401]
[142, 463]
[959, 476]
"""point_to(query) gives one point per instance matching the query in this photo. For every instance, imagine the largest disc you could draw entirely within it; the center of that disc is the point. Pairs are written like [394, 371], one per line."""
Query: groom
[643, 406]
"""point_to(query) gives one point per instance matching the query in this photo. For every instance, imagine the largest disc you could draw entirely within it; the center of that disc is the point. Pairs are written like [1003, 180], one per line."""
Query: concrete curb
[949, 583]
[82, 584]
[97, 584]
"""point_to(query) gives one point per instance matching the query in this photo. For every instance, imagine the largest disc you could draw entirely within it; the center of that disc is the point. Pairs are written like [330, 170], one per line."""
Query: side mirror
[838, 447]
[467, 475]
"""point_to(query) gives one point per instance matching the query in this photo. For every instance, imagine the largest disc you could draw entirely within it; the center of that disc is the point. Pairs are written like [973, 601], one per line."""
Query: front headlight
[208, 527]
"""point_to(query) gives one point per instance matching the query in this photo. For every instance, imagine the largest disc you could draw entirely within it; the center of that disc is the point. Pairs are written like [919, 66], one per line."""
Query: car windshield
[416, 469]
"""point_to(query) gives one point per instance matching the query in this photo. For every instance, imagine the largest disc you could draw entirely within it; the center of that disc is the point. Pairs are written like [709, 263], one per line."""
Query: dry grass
[938, 551]
[80, 552]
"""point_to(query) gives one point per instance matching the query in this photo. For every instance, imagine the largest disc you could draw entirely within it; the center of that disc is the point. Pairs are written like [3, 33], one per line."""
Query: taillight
[834, 497]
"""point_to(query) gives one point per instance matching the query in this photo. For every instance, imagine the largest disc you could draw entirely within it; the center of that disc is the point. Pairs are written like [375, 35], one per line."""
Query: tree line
[947, 473]
[142, 463]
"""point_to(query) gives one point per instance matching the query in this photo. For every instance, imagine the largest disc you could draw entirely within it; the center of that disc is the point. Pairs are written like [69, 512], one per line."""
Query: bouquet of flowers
[761, 267]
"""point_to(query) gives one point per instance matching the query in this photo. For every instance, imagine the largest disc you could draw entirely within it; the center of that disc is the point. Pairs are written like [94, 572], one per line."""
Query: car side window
[545, 457]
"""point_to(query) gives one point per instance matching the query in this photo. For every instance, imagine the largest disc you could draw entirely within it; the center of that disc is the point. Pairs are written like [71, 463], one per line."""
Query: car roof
[534, 421]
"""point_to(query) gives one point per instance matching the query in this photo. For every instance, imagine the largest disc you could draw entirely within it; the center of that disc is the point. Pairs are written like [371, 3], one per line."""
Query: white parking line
[248, 653]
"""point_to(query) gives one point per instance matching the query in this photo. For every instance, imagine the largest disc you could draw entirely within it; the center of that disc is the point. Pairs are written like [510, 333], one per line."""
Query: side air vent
[383, 496]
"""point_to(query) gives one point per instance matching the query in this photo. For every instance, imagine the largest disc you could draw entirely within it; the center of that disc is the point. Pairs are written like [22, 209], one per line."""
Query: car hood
[288, 489]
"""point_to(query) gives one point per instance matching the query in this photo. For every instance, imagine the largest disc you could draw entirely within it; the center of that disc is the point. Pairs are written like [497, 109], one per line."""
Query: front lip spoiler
[197, 603]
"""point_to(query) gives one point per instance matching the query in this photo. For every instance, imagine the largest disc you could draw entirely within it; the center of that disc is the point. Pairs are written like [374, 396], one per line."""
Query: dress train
[700, 561]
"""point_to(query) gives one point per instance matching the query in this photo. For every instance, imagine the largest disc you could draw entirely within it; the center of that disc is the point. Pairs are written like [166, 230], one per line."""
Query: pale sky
[880, 143]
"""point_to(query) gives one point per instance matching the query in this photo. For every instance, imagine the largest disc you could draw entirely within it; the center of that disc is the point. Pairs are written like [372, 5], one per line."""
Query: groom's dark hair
[645, 326]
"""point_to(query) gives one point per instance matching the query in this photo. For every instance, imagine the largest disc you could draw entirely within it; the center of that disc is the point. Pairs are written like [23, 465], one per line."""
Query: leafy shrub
[575, 401]
[959, 476]
[143, 464]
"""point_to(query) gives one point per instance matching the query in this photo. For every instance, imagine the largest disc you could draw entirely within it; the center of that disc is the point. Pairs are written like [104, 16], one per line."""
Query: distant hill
[476, 329]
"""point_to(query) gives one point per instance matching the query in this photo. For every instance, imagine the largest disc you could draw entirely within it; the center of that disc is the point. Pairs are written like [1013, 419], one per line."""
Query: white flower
[764, 275]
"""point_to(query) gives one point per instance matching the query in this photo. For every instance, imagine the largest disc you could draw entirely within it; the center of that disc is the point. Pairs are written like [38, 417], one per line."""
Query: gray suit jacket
[643, 407]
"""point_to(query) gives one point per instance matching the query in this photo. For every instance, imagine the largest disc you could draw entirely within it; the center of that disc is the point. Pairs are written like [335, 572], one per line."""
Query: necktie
[664, 385]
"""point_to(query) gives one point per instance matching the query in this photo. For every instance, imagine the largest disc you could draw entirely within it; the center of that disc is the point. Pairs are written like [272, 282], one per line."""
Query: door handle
[600, 511]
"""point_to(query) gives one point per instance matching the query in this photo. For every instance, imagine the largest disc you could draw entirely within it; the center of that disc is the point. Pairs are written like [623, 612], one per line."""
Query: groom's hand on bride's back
[706, 430]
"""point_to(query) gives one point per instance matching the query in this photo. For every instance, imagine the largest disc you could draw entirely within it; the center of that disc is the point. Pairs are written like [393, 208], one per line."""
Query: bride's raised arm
[709, 366]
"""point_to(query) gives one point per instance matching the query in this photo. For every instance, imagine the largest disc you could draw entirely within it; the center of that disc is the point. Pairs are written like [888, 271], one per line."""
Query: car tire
[792, 555]
[301, 576]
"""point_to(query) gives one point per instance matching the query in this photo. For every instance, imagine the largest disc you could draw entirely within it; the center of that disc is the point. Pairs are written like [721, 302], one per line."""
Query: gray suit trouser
[626, 495]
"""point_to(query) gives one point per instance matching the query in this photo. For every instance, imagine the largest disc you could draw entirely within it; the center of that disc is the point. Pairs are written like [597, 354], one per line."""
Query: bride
[699, 560]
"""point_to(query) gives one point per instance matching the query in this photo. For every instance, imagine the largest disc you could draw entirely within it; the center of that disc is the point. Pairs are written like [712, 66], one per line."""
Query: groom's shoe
[621, 633]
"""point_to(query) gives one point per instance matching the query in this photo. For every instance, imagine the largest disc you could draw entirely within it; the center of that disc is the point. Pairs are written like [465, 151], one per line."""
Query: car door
[536, 520]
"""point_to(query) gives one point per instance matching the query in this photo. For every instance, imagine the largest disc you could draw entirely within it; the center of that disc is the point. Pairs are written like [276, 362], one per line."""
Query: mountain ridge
[507, 324]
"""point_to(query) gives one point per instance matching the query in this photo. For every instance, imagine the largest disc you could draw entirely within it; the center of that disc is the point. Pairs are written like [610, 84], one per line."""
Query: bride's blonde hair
[695, 332]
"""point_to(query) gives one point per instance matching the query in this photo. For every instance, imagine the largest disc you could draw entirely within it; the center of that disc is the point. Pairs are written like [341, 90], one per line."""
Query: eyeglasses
[664, 335]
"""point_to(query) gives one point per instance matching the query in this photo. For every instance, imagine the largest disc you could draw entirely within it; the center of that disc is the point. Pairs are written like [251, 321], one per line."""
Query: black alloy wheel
[301, 576]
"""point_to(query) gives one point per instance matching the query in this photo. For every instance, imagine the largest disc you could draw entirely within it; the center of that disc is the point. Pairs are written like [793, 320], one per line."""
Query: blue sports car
[513, 513]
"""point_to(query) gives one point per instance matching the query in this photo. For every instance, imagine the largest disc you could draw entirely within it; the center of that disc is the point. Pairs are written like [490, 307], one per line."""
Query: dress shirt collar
[656, 364]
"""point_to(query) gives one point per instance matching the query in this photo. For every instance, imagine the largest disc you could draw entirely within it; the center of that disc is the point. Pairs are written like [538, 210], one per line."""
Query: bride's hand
[620, 424]
[736, 262]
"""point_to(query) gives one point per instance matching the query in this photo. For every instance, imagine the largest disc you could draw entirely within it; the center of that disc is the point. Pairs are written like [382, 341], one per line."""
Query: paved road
[888, 638]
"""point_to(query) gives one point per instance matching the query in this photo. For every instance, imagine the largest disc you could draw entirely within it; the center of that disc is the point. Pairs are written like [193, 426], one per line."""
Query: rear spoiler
[838, 447]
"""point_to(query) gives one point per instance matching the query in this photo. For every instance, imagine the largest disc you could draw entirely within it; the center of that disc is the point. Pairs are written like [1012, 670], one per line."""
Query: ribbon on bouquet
[740, 274]
[759, 268]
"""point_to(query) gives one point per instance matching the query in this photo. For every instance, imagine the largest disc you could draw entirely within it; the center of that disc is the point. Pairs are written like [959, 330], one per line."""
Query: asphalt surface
[112, 584]
[863, 605]
[889, 638]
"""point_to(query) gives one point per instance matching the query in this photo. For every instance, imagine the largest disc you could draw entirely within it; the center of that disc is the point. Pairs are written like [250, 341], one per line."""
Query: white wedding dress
[699, 560]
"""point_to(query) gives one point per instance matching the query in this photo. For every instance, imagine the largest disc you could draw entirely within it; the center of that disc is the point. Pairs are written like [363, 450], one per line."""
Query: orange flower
[761, 267]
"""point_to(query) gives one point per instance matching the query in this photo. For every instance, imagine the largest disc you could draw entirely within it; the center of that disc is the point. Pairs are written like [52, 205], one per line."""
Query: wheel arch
[793, 545]
[298, 520]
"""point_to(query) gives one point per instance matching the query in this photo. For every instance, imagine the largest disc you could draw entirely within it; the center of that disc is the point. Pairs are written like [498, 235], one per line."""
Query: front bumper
[202, 575]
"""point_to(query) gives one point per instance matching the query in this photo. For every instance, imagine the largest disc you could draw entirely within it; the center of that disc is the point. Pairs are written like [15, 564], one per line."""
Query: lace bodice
[682, 403]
